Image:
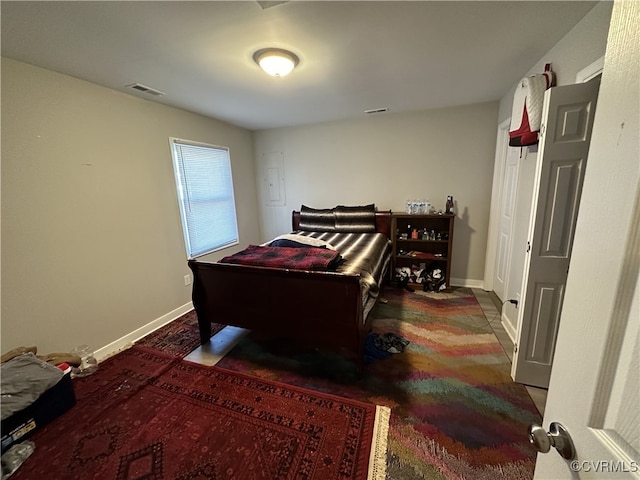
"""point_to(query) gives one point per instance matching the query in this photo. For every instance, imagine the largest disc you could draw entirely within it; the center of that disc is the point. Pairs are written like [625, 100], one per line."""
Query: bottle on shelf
[449, 204]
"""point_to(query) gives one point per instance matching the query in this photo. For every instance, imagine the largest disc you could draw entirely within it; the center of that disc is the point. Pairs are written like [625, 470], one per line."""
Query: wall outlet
[187, 280]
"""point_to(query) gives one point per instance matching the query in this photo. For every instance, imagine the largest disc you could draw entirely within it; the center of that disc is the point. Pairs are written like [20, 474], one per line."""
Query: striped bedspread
[367, 254]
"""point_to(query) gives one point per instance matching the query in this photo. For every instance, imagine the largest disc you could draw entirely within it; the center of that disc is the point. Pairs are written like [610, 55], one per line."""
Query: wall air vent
[376, 110]
[144, 89]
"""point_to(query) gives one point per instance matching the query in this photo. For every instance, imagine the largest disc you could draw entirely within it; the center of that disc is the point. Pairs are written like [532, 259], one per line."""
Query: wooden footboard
[322, 308]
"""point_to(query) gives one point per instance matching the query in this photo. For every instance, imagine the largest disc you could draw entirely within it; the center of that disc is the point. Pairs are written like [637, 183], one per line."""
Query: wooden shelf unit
[414, 251]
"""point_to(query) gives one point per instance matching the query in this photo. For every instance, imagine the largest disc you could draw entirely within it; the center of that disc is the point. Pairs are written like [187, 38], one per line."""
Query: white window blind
[205, 195]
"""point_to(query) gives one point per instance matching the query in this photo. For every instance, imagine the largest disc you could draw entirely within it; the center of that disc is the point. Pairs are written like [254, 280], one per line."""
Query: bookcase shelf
[431, 245]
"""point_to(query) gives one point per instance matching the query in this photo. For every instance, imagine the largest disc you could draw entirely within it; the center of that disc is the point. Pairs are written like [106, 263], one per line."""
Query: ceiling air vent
[376, 110]
[144, 89]
[265, 5]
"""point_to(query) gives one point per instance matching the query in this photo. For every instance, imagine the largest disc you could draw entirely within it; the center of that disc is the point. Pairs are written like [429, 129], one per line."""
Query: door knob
[557, 437]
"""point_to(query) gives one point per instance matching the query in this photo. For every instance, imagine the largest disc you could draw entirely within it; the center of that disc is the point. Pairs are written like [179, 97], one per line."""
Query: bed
[325, 309]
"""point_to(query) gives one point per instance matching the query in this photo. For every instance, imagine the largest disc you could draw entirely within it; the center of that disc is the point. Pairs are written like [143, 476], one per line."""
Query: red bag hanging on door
[526, 114]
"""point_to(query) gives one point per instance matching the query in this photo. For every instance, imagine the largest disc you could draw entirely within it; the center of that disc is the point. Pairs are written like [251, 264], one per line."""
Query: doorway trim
[590, 71]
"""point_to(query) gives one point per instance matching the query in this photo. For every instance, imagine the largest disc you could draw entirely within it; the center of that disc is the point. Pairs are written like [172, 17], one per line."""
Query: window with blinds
[205, 195]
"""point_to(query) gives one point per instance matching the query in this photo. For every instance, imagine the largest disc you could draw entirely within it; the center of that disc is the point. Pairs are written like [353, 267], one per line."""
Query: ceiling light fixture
[276, 61]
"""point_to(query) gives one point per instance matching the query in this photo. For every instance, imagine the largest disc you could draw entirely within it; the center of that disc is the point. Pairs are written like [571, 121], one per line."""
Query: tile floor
[224, 341]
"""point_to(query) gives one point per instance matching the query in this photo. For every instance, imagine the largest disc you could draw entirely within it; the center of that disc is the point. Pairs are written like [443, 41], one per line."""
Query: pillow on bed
[317, 220]
[300, 239]
[358, 219]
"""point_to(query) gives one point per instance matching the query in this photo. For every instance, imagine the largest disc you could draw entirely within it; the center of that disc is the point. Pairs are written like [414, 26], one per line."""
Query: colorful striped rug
[455, 412]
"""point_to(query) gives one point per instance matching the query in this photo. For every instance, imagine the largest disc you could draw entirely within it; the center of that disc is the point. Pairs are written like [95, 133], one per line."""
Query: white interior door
[505, 224]
[564, 144]
[596, 374]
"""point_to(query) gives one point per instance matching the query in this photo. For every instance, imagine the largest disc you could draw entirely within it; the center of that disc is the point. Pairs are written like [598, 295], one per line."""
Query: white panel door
[564, 144]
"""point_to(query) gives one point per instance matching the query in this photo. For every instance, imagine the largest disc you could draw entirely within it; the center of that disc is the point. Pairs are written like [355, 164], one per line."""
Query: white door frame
[590, 71]
[496, 202]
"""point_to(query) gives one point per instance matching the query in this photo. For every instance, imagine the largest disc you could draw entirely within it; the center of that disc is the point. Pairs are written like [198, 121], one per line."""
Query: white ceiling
[354, 56]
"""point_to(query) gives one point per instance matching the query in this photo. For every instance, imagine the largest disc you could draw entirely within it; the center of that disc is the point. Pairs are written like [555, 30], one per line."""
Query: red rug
[179, 337]
[149, 415]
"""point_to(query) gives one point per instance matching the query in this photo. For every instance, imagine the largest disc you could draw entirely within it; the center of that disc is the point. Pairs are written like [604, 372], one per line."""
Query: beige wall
[92, 246]
[385, 160]
[584, 44]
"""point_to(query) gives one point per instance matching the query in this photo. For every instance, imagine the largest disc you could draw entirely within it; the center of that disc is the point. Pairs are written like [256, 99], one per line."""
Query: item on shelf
[449, 204]
[418, 207]
[421, 255]
[434, 280]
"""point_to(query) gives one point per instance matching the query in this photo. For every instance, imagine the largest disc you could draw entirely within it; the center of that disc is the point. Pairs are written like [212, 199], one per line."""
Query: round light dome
[275, 61]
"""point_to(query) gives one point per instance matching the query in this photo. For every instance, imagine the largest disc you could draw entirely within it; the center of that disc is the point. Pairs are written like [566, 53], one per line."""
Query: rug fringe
[378, 455]
[454, 466]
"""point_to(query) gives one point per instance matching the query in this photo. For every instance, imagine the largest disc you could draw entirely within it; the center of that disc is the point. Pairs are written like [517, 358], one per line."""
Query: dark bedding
[295, 258]
[364, 254]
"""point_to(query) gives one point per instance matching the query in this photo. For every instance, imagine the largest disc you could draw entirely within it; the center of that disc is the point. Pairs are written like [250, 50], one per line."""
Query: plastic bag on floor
[15, 456]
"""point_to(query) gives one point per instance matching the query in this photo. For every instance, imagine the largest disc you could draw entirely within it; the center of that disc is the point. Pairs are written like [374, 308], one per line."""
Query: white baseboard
[126, 341]
[465, 282]
[508, 327]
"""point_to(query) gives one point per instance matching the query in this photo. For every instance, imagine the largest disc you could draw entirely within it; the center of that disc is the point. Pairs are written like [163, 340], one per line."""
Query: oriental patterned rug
[179, 337]
[148, 415]
[455, 412]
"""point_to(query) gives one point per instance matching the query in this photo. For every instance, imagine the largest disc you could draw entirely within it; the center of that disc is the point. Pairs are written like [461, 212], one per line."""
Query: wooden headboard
[383, 222]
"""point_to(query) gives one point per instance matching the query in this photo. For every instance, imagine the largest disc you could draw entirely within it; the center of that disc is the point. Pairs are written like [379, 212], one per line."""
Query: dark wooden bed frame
[323, 309]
